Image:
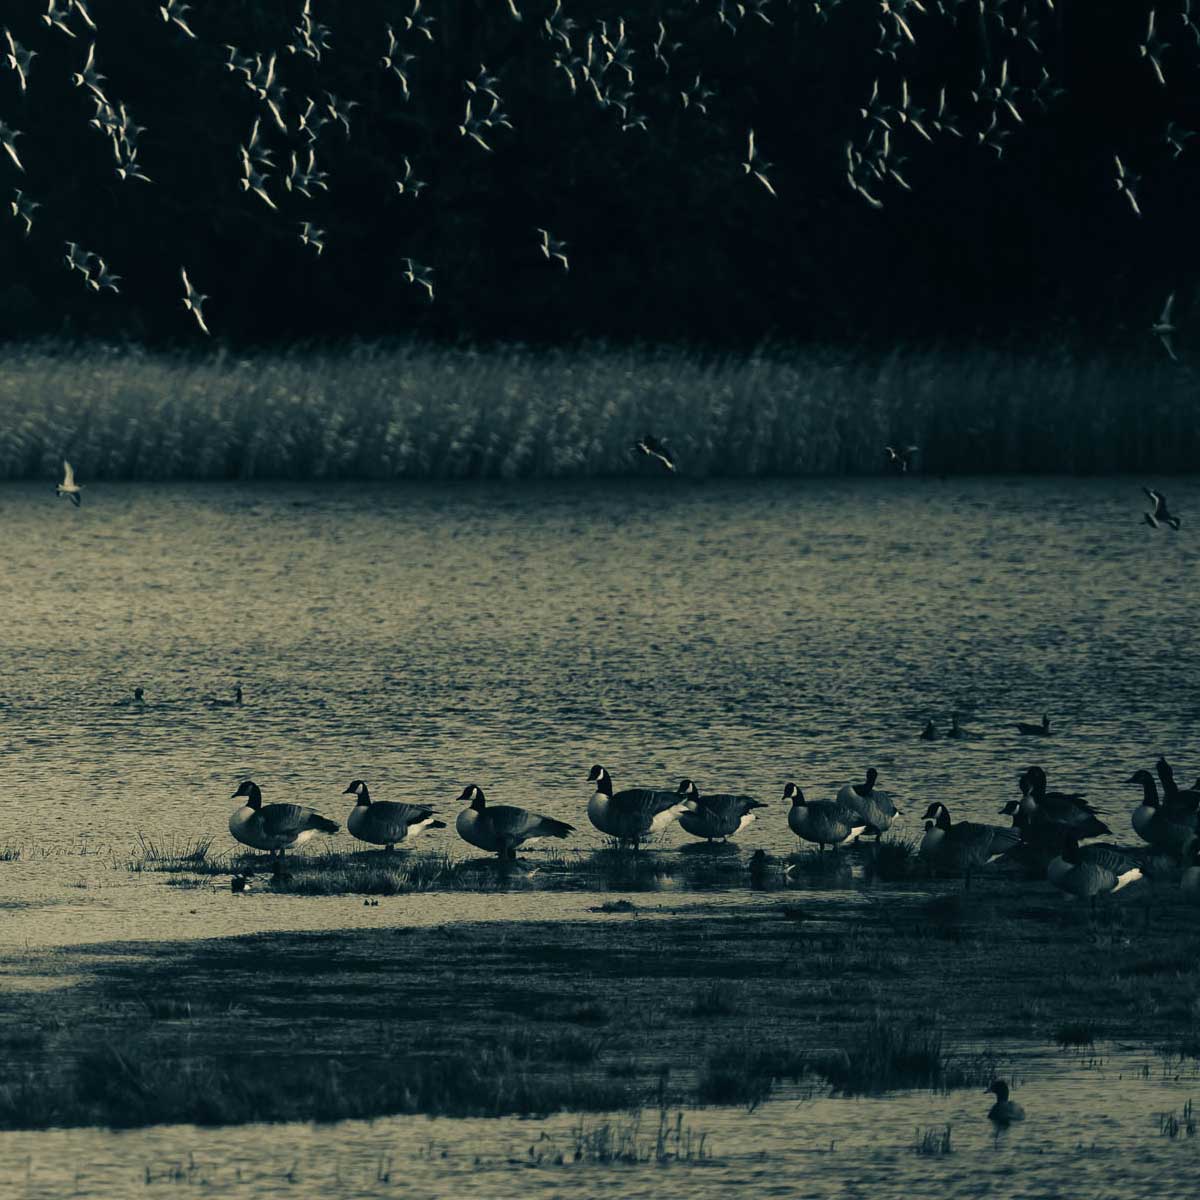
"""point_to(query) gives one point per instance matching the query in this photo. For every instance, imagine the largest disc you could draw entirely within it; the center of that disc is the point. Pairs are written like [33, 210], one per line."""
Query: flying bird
[193, 300]
[1160, 515]
[172, 12]
[414, 272]
[901, 459]
[1126, 181]
[756, 166]
[1163, 328]
[310, 235]
[8, 139]
[69, 487]
[552, 248]
[651, 447]
[23, 209]
[19, 59]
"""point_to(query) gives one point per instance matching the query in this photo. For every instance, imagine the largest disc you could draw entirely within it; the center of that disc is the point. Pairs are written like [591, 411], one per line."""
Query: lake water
[1097, 1126]
[426, 637]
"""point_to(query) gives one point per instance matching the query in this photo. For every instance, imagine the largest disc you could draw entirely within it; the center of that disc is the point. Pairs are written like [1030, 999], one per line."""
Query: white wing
[68, 475]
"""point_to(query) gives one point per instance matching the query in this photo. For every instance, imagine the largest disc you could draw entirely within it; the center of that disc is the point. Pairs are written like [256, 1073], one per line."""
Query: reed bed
[434, 412]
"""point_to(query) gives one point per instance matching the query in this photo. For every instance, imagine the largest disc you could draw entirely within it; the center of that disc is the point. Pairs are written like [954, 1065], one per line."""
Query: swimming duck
[214, 702]
[634, 814]
[874, 805]
[277, 827]
[956, 730]
[718, 816]
[386, 822]
[138, 698]
[502, 827]
[965, 846]
[930, 732]
[826, 822]
[1169, 829]
[1091, 871]
[1042, 730]
[1004, 1111]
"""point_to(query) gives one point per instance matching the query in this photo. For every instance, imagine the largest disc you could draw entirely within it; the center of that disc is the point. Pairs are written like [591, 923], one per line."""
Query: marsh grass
[428, 412]
[735, 1074]
[673, 1140]
[1172, 1124]
[933, 1143]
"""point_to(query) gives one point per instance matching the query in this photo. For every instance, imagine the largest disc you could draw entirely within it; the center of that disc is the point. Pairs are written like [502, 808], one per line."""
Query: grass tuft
[933, 1143]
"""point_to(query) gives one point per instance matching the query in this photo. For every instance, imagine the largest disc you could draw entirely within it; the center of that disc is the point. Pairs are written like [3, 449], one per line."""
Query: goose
[1173, 796]
[651, 447]
[69, 487]
[1091, 871]
[930, 732]
[1004, 1111]
[138, 697]
[965, 846]
[956, 730]
[762, 864]
[634, 814]
[276, 828]
[1168, 829]
[826, 822]
[1160, 515]
[502, 827]
[874, 805]
[214, 702]
[1042, 730]
[1067, 810]
[239, 884]
[386, 822]
[721, 816]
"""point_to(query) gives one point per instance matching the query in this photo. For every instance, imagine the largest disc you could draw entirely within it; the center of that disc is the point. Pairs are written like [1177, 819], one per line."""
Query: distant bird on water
[1164, 328]
[1035, 730]
[930, 732]
[69, 487]
[1004, 1111]
[901, 460]
[651, 447]
[193, 301]
[138, 697]
[213, 702]
[1160, 515]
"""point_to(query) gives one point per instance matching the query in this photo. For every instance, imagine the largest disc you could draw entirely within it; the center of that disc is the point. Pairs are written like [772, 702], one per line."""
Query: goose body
[1068, 811]
[386, 822]
[1164, 827]
[825, 822]
[965, 846]
[719, 816]
[274, 827]
[1004, 1111]
[874, 805]
[1091, 871]
[930, 732]
[502, 828]
[634, 814]
[1042, 730]
[955, 730]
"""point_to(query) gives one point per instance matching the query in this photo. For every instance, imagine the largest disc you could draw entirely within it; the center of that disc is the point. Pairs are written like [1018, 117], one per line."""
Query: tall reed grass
[425, 412]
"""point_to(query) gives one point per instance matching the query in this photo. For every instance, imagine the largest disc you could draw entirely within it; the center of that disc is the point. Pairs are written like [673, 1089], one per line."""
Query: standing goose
[1173, 796]
[502, 827]
[1169, 829]
[719, 816]
[634, 814]
[1004, 1111]
[874, 805]
[826, 822]
[69, 487]
[1042, 730]
[965, 846]
[386, 822]
[1091, 871]
[277, 827]
[1068, 811]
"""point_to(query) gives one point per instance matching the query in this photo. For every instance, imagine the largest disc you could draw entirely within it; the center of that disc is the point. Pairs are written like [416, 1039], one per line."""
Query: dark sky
[666, 234]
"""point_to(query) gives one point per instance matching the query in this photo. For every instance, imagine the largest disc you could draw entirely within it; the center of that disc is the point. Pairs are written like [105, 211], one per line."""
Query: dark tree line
[977, 197]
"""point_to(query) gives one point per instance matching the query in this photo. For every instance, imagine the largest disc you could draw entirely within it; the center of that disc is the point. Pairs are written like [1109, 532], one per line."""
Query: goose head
[1166, 775]
[139, 693]
[938, 814]
[1149, 788]
[930, 730]
[358, 788]
[872, 775]
[252, 793]
[601, 778]
[1034, 780]
[473, 795]
[997, 1088]
[689, 790]
[794, 794]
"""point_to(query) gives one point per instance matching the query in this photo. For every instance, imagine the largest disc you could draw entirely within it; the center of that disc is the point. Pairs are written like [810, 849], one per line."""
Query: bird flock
[632, 68]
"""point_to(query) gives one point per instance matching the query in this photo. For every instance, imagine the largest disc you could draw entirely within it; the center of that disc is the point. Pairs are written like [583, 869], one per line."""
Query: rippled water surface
[427, 637]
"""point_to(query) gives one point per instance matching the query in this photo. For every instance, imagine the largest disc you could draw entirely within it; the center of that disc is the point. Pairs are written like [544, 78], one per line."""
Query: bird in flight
[8, 140]
[901, 459]
[653, 448]
[552, 248]
[1160, 515]
[19, 59]
[1163, 328]
[23, 209]
[193, 300]
[756, 166]
[69, 487]
[1126, 181]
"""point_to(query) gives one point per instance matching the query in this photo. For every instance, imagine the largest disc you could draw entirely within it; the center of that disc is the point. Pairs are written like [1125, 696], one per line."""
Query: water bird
[193, 301]
[631, 815]
[1004, 1111]
[310, 235]
[239, 885]
[1042, 730]
[930, 732]
[55, 17]
[1151, 49]
[69, 487]
[173, 13]
[651, 447]
[503, 827]
[1164, 329]
[756, 166]
[214, 702]
[23, 209]
[138, 697]
[964, 846]
[826, 822]
[1173, 796]
[956, 730]
[1165, 828]
[406, 185]
[1091, 871]
[1068, 813]
[1160, 516]
[88, 76]
[386, 822]
[873, 804]
[1126, 183]
[761, 864]
[418, 22]
[19, 59]
[901, 460]
[276, 827]
[552, 248]
[419, 275]
[8, 140]
[717, 816]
